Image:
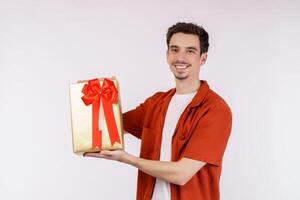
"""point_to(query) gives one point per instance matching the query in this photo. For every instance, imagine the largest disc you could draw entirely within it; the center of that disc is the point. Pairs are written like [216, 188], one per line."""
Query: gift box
[96, 115]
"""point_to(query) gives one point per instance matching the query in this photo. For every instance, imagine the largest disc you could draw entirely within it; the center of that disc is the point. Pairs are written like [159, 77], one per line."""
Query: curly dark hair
[190, 28]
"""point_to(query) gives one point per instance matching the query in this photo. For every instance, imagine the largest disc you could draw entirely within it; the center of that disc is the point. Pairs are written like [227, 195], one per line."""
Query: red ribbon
[93, 94]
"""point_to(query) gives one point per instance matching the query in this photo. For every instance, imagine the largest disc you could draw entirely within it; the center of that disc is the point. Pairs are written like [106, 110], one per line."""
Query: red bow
[93, 93]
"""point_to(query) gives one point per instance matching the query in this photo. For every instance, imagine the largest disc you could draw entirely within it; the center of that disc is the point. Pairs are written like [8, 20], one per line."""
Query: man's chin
[181, 77]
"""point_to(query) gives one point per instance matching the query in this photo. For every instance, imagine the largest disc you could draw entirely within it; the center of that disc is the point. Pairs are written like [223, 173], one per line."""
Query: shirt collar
[198, 98]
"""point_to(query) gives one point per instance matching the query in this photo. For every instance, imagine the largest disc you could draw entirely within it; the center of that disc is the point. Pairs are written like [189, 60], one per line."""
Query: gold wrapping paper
[81, 118]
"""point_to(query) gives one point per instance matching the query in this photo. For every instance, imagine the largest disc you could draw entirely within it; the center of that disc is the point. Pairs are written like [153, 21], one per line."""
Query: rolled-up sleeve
[133, 120]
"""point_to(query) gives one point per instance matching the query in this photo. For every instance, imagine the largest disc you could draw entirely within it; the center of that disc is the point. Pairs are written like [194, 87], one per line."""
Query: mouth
[181, 66]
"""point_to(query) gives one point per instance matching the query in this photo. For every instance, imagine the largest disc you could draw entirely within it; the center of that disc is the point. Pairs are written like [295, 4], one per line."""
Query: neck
[187, 86]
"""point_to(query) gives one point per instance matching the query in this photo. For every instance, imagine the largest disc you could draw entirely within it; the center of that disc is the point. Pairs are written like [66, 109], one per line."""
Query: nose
[180, 56]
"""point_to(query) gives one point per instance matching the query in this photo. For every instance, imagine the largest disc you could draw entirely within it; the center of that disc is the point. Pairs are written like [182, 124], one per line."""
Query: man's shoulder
[159, 96]
[215, 101]
[162, 94]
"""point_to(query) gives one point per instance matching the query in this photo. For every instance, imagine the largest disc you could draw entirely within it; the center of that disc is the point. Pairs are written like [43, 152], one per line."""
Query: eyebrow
[174, 46]
[190, 48]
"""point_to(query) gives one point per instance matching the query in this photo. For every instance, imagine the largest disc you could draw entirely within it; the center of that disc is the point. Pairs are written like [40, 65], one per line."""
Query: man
[183, 131]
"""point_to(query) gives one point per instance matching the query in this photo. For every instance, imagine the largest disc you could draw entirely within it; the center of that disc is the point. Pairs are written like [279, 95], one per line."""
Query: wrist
[129, 159]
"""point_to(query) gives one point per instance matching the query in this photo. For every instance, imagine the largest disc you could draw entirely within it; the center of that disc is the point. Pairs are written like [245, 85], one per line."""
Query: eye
[174, 50]
[190, 51]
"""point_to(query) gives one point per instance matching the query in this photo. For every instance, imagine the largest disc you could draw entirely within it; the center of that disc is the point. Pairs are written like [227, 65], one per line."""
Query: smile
[182, 66]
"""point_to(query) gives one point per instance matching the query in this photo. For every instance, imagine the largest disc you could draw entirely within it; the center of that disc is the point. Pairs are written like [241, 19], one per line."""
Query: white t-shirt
[176, 106]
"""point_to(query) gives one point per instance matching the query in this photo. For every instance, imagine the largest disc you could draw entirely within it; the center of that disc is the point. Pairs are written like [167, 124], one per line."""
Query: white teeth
[181, 66]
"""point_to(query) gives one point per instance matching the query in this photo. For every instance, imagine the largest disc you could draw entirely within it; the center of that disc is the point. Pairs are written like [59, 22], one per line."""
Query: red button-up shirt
[201, 134]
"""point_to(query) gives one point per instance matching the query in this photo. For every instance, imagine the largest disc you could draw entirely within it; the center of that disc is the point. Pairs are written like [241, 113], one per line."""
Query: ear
[203, 58]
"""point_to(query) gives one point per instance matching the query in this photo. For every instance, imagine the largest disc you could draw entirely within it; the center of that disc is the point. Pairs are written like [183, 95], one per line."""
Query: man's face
[183, 56]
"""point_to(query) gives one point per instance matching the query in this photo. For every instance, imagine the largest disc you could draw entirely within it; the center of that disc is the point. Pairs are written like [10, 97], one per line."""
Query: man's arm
[179, 172]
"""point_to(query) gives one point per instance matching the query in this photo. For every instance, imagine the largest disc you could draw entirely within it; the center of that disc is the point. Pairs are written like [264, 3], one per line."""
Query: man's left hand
[117, 155]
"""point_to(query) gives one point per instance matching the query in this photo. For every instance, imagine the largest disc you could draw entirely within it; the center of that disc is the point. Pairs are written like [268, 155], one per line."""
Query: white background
[253, 63]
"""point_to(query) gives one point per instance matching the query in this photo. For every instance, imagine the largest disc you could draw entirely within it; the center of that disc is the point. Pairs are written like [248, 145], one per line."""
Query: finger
[97, 155]
[88, 153]
[104, 152]
[81, 81]
[108, 152]
[91, 154]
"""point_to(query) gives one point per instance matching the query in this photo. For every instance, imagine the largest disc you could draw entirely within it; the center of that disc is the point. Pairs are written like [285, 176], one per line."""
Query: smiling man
[183, 131]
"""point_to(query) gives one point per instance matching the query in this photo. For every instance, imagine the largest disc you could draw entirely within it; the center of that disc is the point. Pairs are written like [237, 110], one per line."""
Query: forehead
[185, 40]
